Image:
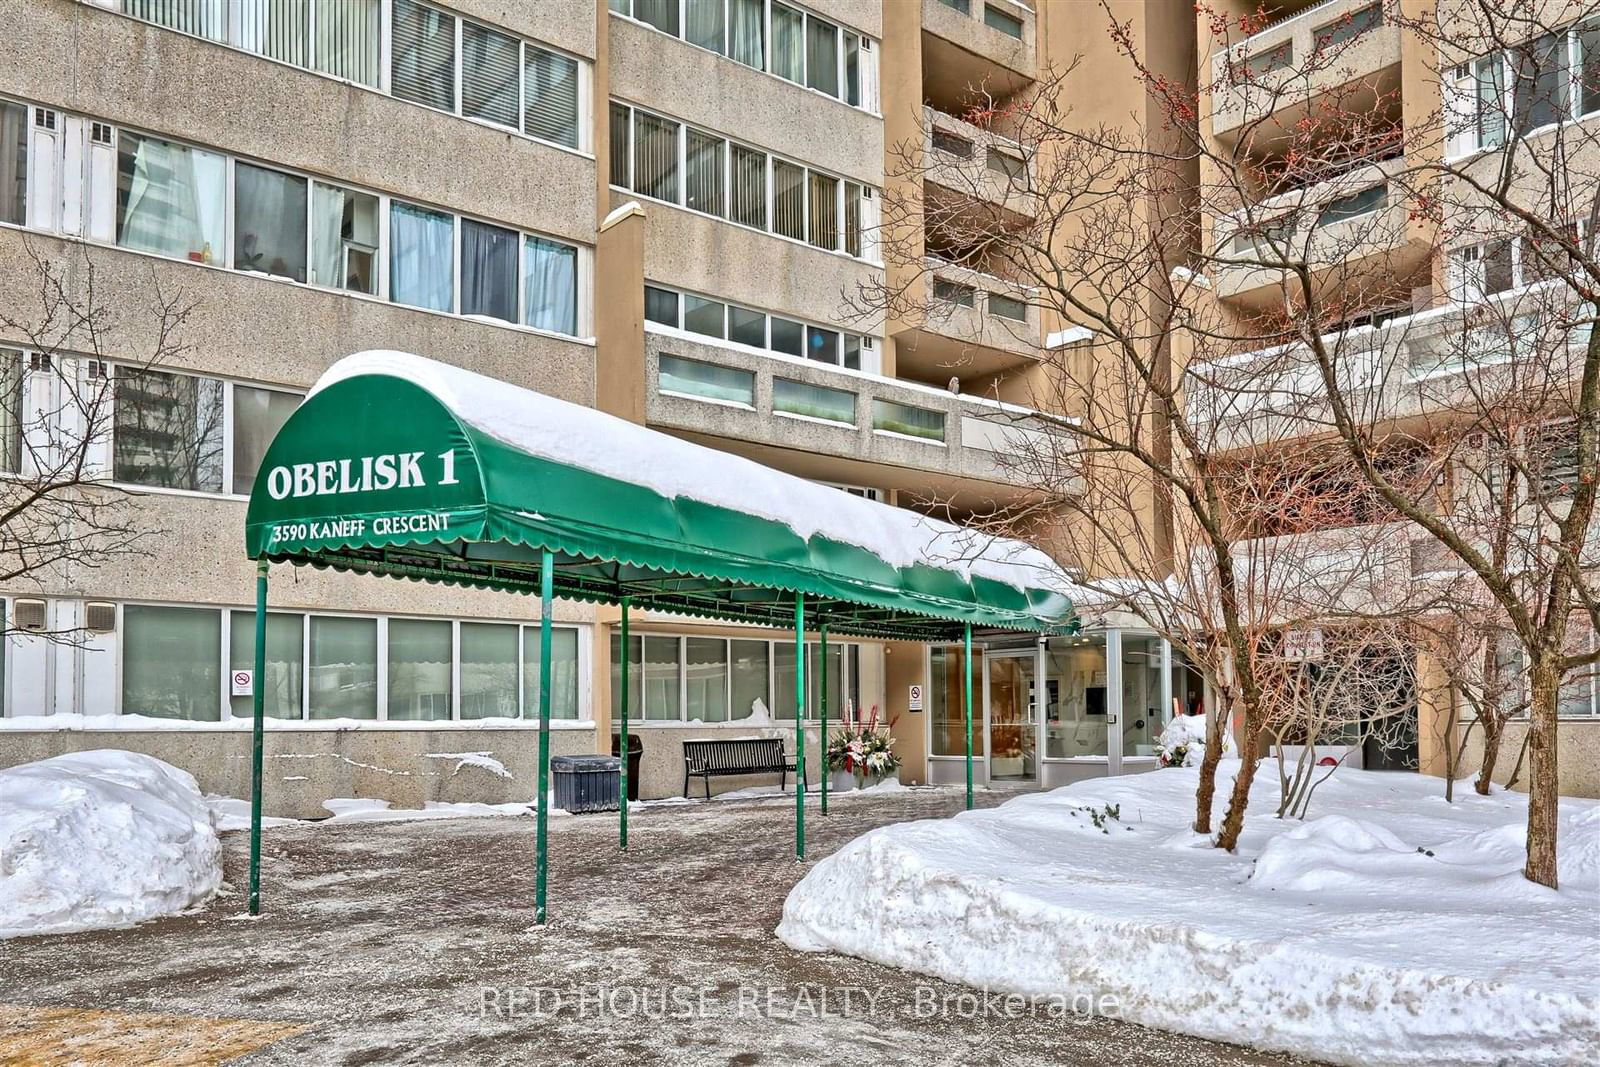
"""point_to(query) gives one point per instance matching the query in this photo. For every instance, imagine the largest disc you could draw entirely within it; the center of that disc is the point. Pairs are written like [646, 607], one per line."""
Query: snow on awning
[401, 465]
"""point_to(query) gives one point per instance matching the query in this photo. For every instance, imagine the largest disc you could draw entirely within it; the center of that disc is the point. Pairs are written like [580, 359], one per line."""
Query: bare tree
[61, 513]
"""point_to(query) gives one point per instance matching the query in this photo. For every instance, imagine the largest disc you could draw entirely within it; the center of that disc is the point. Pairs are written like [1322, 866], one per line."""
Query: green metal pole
[966, 667]
[257, 707]
[542, 814]
[822, 686]
[623, 803]
[799, 726]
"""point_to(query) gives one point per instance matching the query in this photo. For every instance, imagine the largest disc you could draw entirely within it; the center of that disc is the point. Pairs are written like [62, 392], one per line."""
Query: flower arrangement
[863, 750]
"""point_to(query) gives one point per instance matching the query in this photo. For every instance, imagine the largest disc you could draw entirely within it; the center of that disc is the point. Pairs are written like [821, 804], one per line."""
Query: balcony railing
[971, 161]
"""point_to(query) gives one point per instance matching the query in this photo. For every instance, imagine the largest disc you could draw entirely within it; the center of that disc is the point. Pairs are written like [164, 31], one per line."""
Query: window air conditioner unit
[29, 614]
[100, 617]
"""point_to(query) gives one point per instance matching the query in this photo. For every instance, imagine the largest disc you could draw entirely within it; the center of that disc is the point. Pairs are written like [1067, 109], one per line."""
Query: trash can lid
[586, 763]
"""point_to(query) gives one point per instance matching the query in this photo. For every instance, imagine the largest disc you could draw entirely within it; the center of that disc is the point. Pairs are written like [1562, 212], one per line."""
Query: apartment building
[1423, 296]
[656, 208]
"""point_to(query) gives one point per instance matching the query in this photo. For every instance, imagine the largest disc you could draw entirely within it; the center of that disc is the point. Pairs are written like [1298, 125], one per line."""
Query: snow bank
[101, 838]
[1393, 927]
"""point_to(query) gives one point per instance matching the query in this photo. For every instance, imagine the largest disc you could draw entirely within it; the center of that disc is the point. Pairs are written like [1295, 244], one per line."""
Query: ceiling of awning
[405, 466]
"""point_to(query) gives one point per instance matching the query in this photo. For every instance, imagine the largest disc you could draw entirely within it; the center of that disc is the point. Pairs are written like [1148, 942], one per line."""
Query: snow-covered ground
[231, 813]
[101, 838]
[1390, 927]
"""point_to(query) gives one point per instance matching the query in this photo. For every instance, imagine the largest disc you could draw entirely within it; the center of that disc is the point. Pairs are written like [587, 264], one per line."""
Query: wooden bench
[745, 755]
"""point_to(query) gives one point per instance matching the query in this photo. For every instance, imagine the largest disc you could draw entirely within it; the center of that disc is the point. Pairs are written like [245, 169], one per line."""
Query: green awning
[404, 466]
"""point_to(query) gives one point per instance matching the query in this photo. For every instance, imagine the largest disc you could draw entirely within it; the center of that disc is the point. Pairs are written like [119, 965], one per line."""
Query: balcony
[826, 423]
[970, 325]
[970, 161]
[973, 46]
[1350, 224]
[1356, 568]
[1353, 36]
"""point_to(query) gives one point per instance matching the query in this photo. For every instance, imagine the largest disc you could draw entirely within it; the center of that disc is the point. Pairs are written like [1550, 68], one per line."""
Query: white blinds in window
[423, 55]
[551, 104]
[490, 80]
[280, 29]
[347, 34]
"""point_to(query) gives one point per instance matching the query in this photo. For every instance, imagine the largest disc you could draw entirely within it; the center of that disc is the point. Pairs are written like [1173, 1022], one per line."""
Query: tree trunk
[1233, 821]
[1208, 775]
[1493, 731]
[1543, 797]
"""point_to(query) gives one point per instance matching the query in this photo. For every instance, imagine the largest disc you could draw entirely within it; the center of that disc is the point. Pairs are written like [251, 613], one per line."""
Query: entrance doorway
[1011, 710]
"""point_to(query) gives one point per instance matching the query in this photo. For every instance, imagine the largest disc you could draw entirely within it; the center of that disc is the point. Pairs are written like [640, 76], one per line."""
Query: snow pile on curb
[1392, 927]
[101, 838]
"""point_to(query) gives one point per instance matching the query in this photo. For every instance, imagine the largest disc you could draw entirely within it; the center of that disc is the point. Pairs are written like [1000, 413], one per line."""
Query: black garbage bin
[635, 754]
[586, 783]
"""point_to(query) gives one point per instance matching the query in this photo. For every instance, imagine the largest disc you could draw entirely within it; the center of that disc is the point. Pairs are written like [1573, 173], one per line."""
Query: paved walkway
[411, 943]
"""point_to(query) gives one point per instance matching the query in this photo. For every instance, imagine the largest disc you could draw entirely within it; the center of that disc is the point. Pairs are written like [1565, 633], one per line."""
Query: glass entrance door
[1009, 696]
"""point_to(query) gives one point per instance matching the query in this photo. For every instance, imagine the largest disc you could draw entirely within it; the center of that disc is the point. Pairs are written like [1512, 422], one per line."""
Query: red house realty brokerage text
[783, 1002]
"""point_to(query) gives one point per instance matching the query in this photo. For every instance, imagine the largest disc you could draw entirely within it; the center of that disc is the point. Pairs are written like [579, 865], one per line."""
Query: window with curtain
[421, 251]
[550, 97]
[705, 679]
[789, 199]
[662, 14]
[281, 689]
[344, 238]
[171, 199]
[813, 401]
[635, 677]
[280, 29]
[703, 23]
[895, 417]
[258, 415]
[171, 662]
[660, 688]
[419, 663]
[563, 673]
[343, 668]
[822, 56]
[703, 180]
[750, 677]
[489, 270]
[167, 430]
[621, 116]
[693, 377]
[348, 36]
[747, 200]
[747, 32]
[491, 76]
[852, 218]
[11, 416]
[269, 222]
[788, 44]
[488, 670]
[13, 163]
[703, 316]
[824, 211]
[655, 156]
[550, 285]
[422, 55]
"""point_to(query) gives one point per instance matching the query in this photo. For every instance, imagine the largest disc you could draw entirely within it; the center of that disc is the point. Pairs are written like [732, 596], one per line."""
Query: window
[712, 679]
[167, 430]
[660, 692]
[788, 337]
[813, 401]
[822, 344]
[747, 327]
[343, 668]
[563, 672]
[344, 238]
[171, 199]
[822, 56]
[550, 97]
[824, 229]
[550, 285]
[655, 156]
[347, 39]
[621, 138]
[281, 685]
[13, 163]
[662, 14]
[708, 381]
[491, 77]
[788, 43]
[1007, 307]
[852, 69]
[954, 293]
[893, 417]
[422, 64]
[171, 666]
[258, 415]
[1540, 82]
[1260, 63]
[1014, 169]
[11, 416]
[661, 305]
[488, 270]
[419, 666]
[703, 316]
[963, 6]
[1480, 271]
[1353, 206]
[748, 187]
[747, 32]
[750, 677]
[489, 670]
[269, 222]
[705, 679]
[1554, 456]
[1004, 21]
[705, 165]
[852, 218]
[703, 24]
[950, 144]
[789, 199]
[1587, 91]
[421, 257]
[1348, 28]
